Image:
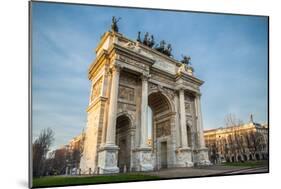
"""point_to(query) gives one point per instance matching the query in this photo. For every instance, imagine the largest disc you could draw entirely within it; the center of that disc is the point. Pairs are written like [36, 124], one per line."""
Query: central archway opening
[123, 140]
[159, 124]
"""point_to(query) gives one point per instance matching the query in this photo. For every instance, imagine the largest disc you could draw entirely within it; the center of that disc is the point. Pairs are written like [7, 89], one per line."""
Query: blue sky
[228, 52]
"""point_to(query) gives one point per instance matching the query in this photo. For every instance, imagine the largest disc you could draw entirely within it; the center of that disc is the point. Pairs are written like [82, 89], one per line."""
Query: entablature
[98, 64]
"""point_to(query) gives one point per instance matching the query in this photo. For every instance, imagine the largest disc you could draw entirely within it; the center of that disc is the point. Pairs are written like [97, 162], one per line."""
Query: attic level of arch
[159, 49]
[139, 60]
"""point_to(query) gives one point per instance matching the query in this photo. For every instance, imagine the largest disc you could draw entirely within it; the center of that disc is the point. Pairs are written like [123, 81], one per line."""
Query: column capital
[116, 67]
[180, 87]
[107, 72]
[145, 76]
[198, 95]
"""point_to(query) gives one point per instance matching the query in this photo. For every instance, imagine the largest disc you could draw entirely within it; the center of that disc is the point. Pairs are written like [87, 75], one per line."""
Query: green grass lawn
[72, 180]
[246, 164]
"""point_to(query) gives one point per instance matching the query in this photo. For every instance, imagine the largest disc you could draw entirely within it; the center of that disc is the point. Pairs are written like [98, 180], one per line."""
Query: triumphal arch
[144, 109]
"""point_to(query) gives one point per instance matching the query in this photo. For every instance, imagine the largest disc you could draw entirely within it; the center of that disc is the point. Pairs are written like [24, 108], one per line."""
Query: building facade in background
[66, 159]
[244, 142]
[144, 109]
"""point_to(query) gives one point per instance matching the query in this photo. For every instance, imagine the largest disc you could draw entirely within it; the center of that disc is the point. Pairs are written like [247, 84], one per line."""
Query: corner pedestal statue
[128, 78]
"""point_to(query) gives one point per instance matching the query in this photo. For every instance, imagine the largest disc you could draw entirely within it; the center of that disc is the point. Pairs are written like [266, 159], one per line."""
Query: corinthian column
[144, 109]
[183, 120]
[199, 122]
[112, 109]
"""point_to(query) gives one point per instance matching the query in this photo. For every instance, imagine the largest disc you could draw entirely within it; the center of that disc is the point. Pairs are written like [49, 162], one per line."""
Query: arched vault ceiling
[158, 102]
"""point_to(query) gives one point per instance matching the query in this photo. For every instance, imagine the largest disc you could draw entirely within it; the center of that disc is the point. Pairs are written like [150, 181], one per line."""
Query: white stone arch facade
[131, 72]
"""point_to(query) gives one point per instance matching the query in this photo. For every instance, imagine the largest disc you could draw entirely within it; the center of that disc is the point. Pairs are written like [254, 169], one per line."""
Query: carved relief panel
[126, 93]
[188, 108]
[127, 88]
[128, 79]
[190, 117]
[96, 90]
[163, 129]
[189, 105]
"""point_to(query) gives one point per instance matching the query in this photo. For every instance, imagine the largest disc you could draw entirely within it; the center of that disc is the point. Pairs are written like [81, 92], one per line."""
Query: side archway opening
[123, 140]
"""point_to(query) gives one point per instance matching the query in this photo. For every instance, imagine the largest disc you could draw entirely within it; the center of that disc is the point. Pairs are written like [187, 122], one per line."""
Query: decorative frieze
[162, 79]
[189, 84]
[167, 67]
[132, 62]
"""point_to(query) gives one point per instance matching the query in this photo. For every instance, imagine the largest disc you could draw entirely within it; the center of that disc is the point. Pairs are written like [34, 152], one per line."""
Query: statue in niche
[114, 25]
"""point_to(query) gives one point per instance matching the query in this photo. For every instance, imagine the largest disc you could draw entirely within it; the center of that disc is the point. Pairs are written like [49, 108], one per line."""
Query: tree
[59, 165]
[239, 142]
[255, 142]
[40, 148]
[48, 164]
[235, 140]
[230, 120]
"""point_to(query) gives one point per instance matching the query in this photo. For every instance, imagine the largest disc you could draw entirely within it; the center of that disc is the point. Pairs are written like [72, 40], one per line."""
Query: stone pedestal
[143, 159]
[184, 157]
[202, 157]
[107, 159]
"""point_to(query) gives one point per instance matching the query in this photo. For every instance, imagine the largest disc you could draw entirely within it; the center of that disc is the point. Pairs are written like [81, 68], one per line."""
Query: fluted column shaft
[112, 109]
[105, 93]
[144, 109]
[178, 125]
[199, 122]
[183, 120]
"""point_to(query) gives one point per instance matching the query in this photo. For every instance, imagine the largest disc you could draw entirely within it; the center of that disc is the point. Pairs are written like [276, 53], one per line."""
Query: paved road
[249, 170]
[205, 171]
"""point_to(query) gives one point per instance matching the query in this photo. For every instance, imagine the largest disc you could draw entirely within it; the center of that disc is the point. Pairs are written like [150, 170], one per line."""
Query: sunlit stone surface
[144, 111]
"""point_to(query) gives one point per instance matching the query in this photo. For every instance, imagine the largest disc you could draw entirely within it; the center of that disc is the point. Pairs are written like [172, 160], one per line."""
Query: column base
[143, 159]
[184, 157]
[107, 159]
[202, 157]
